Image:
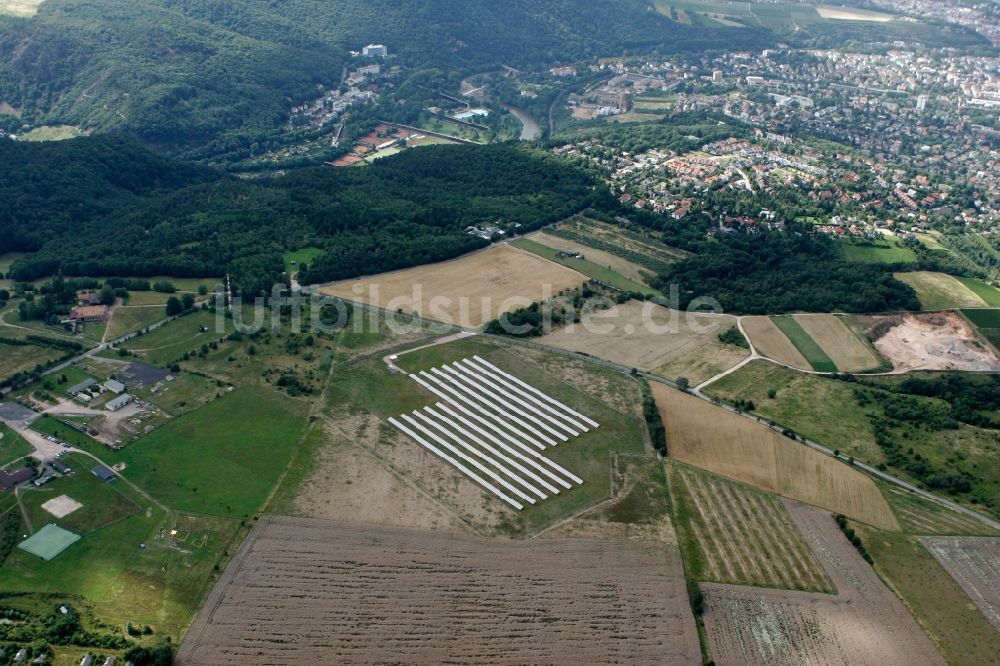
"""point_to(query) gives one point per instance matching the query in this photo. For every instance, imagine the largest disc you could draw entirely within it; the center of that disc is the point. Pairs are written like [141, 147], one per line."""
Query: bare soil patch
[865, 623]
[309, 591]
[348, 483]
[649, 337]
[712, 438]
[468, 291]
[61, 506]
[931, 341]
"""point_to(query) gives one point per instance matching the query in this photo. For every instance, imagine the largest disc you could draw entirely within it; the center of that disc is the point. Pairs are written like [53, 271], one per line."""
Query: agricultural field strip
[974, 563]
[480, 387]
[749, 625]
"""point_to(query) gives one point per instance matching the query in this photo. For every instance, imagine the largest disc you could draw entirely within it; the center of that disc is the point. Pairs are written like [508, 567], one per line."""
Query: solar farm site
[492, 427]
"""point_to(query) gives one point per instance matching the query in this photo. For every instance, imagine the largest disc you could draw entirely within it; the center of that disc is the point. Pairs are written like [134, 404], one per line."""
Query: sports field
[938, 291]
[48, 542]
[712, 438]
[468, 291]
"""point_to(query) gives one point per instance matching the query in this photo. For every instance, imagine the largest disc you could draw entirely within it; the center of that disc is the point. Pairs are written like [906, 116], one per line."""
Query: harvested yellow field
[647, 336]
[712, 438]
[770, 341]
[468, 291]
[848, 351]
[621, 266]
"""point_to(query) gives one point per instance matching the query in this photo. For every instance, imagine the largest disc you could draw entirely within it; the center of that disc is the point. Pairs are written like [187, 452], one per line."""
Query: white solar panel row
[490, 420]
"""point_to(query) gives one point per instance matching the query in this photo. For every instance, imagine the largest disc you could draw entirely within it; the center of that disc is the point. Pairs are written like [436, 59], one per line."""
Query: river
[530, 129]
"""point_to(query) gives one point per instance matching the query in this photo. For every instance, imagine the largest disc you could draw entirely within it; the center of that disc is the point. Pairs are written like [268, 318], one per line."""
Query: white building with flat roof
[375, 50]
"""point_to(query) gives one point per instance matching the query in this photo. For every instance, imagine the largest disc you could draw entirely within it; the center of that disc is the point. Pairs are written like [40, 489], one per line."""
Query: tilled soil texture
[303, 591]
[865, 623]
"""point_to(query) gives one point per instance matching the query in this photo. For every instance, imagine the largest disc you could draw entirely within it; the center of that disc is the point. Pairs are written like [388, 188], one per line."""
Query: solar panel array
[492, 427]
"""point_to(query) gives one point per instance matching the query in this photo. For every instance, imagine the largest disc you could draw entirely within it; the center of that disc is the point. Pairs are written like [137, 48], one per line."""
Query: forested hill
[122, 210]
[183, 73]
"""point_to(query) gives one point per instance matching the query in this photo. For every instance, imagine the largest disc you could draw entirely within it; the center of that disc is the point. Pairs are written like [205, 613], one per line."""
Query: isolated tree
[174, 306]
[683, 383]
[187, 300]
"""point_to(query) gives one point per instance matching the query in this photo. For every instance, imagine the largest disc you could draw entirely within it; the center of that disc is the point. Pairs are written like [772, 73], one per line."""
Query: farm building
[103, 473]
[9, 479]
[114, 386]
[88, 660]
[115, 404]
[82, 386]
[61, 467]
[85, 314]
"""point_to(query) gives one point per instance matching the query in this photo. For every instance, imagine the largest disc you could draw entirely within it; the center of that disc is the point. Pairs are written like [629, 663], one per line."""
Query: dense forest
[220, 73]
[108, 206]
[776, 272]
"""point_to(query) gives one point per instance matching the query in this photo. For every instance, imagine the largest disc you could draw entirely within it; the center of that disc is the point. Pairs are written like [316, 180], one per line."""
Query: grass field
[714, 439]
[613, 262]
[732, 533]
[362, 395]
[103, 502]
[771, 341]
[986, 292]
[299, 257]
[130, 319]
[593, 270]
[222, 459]
[18, 358]
[920, 517]
[841, 339]
[829, 412]
[886, 251]
[48, 132]
[938, 291]
[987, 322]
[468, 291]
[669, 345]
[12, 446]
[169, 342]
[944, 611]
[812, 352]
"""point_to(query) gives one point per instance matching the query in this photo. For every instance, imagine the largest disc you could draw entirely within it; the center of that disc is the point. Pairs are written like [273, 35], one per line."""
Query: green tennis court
[49, 541]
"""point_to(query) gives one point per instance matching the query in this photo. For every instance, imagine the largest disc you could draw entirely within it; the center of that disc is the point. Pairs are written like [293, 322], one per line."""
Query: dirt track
[865, 623]
[303, 591]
